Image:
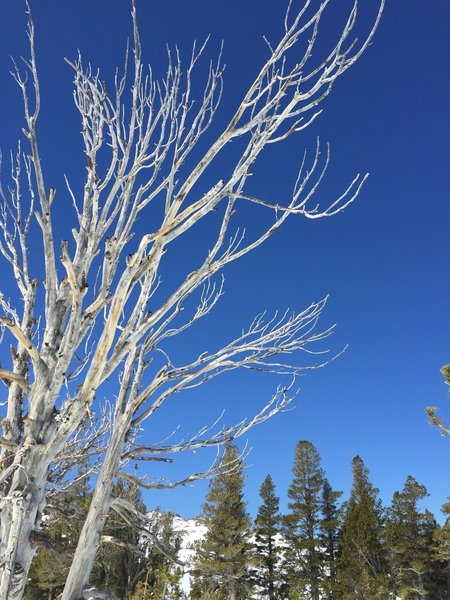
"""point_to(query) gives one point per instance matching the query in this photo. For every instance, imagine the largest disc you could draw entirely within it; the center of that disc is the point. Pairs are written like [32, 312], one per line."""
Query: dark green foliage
[59, 537]
[269, 579]
[117, 568]
[446, 373]
[50, 567]
[441, 547]
[329, 538]
[432, 410]
[362, 562]
[222, 558]
[442, 536]
[409, 537]
[303, 522]
[323, 552]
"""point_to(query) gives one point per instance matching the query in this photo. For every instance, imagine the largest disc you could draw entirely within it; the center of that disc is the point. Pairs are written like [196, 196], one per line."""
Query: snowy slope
[191, 532]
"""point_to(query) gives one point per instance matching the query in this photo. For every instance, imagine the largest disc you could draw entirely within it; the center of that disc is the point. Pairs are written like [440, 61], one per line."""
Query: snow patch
[191, 531]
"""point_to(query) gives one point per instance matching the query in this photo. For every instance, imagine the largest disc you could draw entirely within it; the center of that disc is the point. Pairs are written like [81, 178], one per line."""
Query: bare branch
[134, 518]
[21, 382]
[20, 336]
[110, 539]
[102, 316]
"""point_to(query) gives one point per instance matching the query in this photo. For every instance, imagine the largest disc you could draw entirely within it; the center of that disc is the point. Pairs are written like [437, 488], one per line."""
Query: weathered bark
[25, 480]
[232, 590]
[55, 374]
[21, 515]
[91, 533]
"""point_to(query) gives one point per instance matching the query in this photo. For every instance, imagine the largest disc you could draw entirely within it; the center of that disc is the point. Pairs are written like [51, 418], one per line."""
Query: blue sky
[384, 262]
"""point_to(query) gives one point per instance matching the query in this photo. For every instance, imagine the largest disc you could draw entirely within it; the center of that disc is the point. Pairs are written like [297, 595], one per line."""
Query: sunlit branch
[151, 181]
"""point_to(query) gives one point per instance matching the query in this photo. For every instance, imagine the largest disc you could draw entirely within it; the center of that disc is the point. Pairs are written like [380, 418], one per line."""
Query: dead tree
[88, 322]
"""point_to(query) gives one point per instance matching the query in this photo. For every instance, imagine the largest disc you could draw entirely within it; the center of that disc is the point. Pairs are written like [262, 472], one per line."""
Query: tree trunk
[91, 533]
[270, 567]
[21, 514]
[232, 590]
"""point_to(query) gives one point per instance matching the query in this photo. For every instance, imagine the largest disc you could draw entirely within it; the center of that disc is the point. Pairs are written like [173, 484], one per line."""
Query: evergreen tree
[329, 537]
[361, 564]
[267, 548]
[59, 537]
[442, 536]
[222, 556]
[117, 568]
[303, 522]
[441, 547]
[436, 580]
[409, 536]
[51, 564]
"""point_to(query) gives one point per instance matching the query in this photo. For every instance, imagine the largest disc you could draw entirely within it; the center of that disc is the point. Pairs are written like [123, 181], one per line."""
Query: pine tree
[329, 537]
[441, 552]
[116, 567]
[362, 564]
[222, 557]
[267, 548]
[302, 523]
[59, 537]
[409, 536]
[442, 536]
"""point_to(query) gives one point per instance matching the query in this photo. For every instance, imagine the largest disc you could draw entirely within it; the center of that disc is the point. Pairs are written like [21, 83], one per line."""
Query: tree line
[322, 548]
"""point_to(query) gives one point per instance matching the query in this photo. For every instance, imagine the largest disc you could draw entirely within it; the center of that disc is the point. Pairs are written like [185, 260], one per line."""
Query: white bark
[95, 328]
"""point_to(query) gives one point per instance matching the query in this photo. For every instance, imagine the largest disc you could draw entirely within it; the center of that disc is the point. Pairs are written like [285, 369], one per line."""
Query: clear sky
[384, 262]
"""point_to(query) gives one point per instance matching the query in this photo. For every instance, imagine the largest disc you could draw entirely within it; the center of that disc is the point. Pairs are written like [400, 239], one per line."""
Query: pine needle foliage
[303, 522]
[118, 568]
[222, 562]
[362, 562]
[441, 547]
[59, 537]
[408, 536]
[330, 525]
[431, 411]
[267, 548]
